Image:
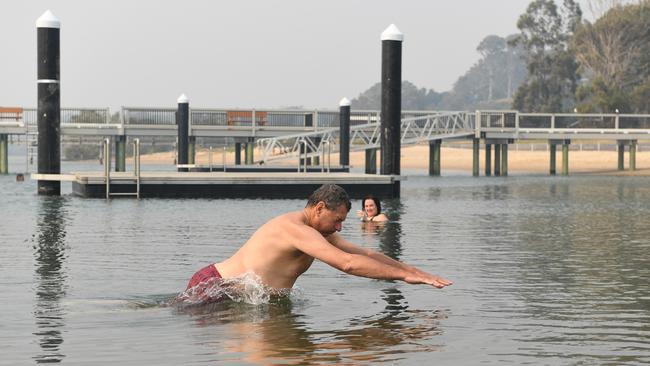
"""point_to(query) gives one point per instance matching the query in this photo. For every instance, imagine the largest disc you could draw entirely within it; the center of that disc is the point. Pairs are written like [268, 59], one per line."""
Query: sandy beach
[460, 160]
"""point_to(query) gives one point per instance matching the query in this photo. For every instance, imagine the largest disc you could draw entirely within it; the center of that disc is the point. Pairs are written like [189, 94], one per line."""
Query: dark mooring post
[504, 160]
[4, 154]
[250, 149]
[344, 134]
[391, 102]
[565, 157]
[183, 122]
[488, 159]
[476, 145]
[371, 161]
[633, 155]
[552, 148]
[434, 158]
[120, 153]
[621, 155]
[49, 101]
[237, 153]
[497, 160]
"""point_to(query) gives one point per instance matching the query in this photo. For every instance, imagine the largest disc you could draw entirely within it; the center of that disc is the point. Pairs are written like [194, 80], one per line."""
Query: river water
[546, 270]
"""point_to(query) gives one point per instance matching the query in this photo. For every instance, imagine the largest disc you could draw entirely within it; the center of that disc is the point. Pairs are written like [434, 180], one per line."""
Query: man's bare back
[285, 247]
[271, 253]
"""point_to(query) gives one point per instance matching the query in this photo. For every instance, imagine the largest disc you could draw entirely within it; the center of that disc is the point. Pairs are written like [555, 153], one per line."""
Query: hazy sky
[243, 53]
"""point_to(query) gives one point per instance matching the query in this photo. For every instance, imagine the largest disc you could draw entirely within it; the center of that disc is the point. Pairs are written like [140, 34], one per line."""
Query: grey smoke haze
[247, 53]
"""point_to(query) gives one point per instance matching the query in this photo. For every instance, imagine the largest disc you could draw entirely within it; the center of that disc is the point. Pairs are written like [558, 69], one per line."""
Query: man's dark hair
[332, 195]
[374, 199]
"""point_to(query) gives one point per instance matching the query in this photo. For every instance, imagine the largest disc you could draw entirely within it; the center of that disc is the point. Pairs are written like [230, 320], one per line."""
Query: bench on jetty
[226, 185]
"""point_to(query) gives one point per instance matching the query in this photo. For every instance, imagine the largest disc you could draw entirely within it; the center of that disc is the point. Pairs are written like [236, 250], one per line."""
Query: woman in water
[371, 210]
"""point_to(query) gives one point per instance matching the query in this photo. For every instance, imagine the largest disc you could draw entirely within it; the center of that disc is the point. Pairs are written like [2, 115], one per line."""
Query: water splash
[247, 288]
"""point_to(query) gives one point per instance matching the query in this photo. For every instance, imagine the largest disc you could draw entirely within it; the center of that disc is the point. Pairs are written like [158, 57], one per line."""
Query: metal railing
[148, 116]
[585, 122]
[365, 136]
[71, 116]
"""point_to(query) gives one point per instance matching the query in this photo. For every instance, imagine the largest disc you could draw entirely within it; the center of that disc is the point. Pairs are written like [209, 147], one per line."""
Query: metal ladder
[134, 178]
[31, 145]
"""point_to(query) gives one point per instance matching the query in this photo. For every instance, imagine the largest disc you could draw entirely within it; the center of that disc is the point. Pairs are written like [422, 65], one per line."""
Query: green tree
[413, 98]
[614, 53]
[488, 84]
[545, 31]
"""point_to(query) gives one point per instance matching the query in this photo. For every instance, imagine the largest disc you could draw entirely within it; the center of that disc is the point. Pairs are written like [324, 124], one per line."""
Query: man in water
[285, 247]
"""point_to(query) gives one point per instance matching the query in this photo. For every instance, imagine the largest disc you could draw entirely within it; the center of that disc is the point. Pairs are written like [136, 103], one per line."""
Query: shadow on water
[50, 254]
[278, 333]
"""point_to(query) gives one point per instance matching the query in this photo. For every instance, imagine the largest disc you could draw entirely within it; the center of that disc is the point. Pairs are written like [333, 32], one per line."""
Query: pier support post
[371, 161]
[237, 153]
[250, 148]
[120, 153]
[49, 101]
[488, 160]
[552, 148]
[183, 122]
[434, 158]
[476, 144]
[621, 155]
[191, 150]
[565, 157]
[497, 160]
[344, 134]
[633, 155]
[4, 154]
[504, 160]
[316, 159]
[391, 102]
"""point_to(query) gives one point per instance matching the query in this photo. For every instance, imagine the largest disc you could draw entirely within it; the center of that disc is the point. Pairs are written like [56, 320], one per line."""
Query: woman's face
[370, 207]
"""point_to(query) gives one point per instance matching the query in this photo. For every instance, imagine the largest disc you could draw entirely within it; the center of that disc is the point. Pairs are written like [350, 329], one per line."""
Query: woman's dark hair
[332, 195]
[374, 199]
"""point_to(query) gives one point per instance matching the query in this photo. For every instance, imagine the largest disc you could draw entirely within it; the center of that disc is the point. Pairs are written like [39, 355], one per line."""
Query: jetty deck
[224, 184]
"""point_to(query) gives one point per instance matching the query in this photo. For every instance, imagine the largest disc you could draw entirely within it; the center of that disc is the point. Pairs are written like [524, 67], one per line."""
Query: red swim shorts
[203, 275]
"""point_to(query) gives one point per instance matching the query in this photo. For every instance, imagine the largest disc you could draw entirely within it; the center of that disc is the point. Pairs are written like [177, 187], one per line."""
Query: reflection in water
[576, 271]
[49, 252]
[276, 333]
[391, 234]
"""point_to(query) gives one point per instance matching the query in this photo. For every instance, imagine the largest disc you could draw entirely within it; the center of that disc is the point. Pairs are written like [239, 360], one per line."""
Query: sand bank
[460, 159]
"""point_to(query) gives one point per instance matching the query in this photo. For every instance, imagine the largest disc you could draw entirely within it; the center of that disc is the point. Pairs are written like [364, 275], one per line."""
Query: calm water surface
[547, 271]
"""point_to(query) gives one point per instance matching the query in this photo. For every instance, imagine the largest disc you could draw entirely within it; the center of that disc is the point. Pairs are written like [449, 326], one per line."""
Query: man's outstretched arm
[346, 246]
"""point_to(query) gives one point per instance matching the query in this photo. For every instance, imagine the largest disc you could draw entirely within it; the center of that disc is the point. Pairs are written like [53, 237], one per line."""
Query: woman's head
[371, 205]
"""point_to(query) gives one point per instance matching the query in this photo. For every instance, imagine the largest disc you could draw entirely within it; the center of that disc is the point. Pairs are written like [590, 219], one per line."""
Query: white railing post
[553, 121]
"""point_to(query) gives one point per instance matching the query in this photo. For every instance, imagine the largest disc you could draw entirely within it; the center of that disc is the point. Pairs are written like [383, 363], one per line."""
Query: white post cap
[345, 102]
[48, 20]
[392, 34]
[183, 99]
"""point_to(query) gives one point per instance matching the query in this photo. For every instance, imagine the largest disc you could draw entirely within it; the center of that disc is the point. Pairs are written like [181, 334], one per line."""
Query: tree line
[558, 62]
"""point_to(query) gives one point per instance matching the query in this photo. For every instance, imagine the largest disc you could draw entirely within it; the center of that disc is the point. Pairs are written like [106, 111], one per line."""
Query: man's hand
[427, 279]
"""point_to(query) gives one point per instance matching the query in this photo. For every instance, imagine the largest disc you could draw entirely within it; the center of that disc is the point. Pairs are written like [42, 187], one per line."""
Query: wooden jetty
[223, 185]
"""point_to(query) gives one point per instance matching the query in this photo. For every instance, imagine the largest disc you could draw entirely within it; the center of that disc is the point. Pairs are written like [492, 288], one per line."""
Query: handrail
[107, 166]
[329, 155]
[136, 157]
[223, 160]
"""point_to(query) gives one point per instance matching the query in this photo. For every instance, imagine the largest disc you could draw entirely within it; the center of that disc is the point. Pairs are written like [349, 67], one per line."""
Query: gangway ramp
[414, 130]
